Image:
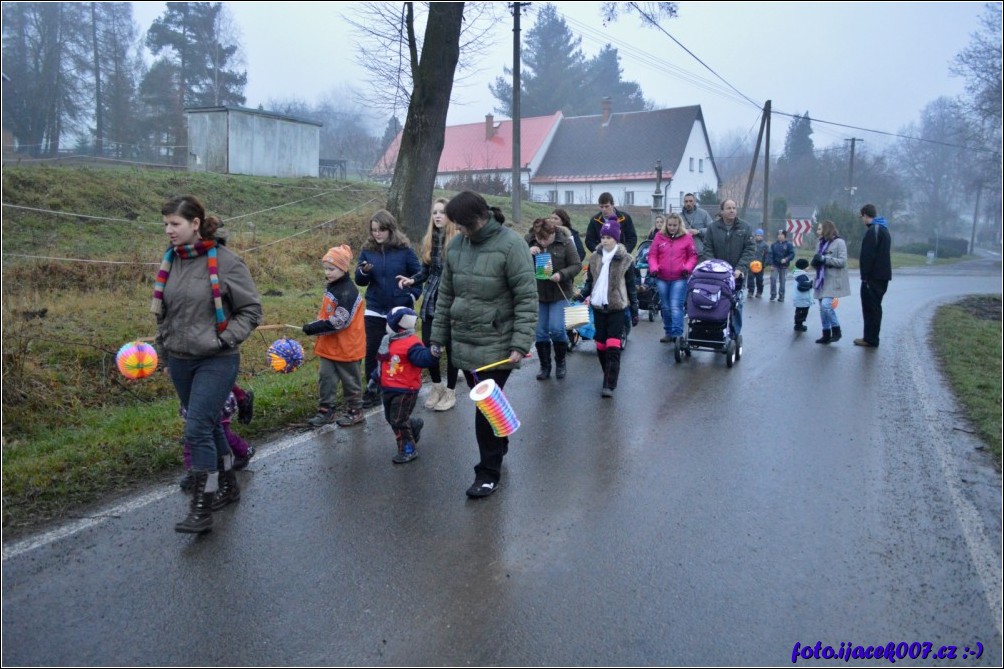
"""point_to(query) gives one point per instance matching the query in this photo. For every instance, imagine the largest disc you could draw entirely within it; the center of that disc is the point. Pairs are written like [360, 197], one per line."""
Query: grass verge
[967, 340]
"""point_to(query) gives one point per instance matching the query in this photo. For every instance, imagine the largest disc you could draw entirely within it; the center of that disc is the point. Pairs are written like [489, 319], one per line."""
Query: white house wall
[641, 192]
[687, 180]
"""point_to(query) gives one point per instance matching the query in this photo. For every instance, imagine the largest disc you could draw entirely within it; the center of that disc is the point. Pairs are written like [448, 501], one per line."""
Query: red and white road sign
[798, 227]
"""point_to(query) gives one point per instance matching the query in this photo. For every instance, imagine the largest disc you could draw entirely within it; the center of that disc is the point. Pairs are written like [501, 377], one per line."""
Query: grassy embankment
[967, 338]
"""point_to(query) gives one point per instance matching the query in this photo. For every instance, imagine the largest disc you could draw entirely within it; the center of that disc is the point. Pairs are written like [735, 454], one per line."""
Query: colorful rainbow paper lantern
[136, 360]
[488, 397]
[285, 355]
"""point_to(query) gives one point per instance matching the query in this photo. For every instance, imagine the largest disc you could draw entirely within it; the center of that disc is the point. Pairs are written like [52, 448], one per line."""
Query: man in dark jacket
[629, 238]
[876, 272]
[731, 239]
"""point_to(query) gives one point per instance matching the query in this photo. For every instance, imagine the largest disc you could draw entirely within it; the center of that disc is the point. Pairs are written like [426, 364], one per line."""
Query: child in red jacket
[400, 360]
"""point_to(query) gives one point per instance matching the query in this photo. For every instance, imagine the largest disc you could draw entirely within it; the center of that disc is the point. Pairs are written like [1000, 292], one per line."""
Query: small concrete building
[235, 140]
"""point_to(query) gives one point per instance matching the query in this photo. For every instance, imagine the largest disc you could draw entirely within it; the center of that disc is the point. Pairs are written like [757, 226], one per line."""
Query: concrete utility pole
[850, 176]
[756, 159]
[976, 216]
[517, 182]
[766, 168]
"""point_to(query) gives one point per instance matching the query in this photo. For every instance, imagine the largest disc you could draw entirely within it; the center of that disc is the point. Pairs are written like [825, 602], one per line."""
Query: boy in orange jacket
[341, 341]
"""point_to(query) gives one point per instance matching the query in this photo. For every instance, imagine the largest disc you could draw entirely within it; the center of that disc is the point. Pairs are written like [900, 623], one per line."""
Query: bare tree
[384, 48]
[425, 126]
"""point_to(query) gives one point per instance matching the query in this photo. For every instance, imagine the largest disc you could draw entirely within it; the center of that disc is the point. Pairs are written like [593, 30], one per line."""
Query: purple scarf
[821, 270]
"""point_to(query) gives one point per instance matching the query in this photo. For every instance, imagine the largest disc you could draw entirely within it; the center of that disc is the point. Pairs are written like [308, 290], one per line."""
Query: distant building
[235, 140]
[484, 150]
[617, 153]
[570, 161]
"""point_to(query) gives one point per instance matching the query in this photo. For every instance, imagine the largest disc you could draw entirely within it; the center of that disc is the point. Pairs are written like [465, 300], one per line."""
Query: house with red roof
[484, 149]
[617, 153]
[570, 161]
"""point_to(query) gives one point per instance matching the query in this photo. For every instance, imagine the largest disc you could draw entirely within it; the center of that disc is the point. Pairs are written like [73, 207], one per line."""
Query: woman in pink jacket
[671, 260]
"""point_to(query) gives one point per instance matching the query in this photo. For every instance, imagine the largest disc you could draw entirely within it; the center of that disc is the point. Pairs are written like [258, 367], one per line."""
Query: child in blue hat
[400, 360]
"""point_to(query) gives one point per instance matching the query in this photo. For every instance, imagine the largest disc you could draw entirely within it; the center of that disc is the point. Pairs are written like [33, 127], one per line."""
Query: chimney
[607, 107]
[489, 126]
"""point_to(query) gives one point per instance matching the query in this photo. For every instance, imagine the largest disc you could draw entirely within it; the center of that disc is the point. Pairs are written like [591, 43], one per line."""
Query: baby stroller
[712, 296]
[648, 289]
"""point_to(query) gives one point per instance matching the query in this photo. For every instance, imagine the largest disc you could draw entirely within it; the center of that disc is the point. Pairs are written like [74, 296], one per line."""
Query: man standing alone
[876, 272]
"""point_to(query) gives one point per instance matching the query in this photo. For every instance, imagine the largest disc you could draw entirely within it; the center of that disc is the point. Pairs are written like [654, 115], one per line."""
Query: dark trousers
[397, 408]
[872, 293]
[801, 313]
[754, 283]
[491, 448]
[376, 328]
[434, 373]
[609, 329]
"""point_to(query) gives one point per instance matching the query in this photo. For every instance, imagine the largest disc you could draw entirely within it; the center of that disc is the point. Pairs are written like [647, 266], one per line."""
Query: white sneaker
[448, 401]
[435, 395]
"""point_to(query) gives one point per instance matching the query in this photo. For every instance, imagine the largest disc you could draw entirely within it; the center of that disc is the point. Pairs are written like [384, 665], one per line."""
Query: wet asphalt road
[704, 516]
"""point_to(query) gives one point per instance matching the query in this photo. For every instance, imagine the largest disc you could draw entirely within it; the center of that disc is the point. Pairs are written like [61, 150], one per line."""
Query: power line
[648, 59]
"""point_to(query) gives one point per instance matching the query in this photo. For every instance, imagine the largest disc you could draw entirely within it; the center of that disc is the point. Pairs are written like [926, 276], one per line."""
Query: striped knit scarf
[186, 252]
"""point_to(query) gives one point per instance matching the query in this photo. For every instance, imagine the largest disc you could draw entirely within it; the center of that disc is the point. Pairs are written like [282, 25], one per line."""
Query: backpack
[803, 283]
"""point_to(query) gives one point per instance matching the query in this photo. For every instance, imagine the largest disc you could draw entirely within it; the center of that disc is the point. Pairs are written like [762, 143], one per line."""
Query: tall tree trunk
[410, 196]
[99, 117]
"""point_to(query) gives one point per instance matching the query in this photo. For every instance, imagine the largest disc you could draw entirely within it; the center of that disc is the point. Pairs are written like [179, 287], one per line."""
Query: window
[691, 164]
[700, 165]
[552, 196]
[569, 197]
[629, 197]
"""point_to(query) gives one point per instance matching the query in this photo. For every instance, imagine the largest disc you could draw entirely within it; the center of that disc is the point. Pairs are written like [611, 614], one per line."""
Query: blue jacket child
[803, 293]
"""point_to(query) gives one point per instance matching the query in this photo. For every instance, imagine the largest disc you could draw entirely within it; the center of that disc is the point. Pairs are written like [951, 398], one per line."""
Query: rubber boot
[544, 353]
[613, 369]
[560, 350]
[228, 490]
[825, 339]
[835, 334]
[200, 514]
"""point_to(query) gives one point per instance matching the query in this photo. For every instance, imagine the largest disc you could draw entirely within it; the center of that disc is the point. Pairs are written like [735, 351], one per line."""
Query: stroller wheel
[651, 315]
[678, 349]
[730, 353]
[739, 347]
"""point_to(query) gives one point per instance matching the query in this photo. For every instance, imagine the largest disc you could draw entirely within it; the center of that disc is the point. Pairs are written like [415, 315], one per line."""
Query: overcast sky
[872, 65]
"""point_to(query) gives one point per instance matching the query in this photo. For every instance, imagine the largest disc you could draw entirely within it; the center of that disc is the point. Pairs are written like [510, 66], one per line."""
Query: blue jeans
[203, 385]
[551, 321]
[778, 275]
[828, 314]
[673, 295]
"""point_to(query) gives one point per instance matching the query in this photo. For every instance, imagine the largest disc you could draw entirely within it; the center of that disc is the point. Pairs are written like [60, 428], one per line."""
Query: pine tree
[197, 43]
